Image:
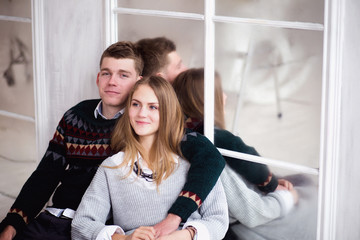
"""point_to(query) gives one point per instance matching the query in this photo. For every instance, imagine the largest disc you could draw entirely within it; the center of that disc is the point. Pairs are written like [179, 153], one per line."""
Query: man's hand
[168, 225]
[181, 234]
[8, 233]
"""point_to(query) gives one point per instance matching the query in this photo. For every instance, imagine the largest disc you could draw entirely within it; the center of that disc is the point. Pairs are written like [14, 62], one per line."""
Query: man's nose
[113, 80]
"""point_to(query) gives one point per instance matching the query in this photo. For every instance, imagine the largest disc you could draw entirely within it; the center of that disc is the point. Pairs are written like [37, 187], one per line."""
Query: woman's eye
[153, 107]
[134, 104]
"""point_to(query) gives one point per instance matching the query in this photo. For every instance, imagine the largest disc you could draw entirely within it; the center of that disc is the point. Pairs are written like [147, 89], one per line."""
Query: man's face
[174, 68]
[115, 80]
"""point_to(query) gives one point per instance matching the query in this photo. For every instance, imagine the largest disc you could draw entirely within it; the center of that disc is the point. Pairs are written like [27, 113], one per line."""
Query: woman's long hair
[168, 137]
[189, 88]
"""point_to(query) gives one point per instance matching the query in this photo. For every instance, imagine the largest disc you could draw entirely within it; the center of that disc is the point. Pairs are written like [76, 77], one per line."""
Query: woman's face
[144, 113]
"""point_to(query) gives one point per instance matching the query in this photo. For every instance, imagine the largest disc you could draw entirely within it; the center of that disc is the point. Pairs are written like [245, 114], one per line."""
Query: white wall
[348, 211]
[72, 45]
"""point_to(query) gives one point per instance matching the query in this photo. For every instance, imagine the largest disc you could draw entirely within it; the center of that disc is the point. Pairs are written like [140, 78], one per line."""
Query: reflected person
[249, 186]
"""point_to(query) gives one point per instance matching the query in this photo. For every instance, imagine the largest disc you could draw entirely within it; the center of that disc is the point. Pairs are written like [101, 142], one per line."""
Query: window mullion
[111, 23]
[209, 52]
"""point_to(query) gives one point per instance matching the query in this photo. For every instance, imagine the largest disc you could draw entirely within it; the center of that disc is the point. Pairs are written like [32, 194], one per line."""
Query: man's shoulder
[87, 104]
[84, 110]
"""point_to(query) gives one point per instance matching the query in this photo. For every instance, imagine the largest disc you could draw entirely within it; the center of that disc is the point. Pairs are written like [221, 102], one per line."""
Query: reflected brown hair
[154, 52]
[189, 88]
[168, 137]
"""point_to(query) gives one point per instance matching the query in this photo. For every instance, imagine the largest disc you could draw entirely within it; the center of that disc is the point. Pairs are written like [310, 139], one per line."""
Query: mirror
[17, 107]
[272, 77]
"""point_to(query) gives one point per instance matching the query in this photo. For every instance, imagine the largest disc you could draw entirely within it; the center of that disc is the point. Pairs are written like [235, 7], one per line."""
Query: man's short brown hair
[154, 52]
[124, 49]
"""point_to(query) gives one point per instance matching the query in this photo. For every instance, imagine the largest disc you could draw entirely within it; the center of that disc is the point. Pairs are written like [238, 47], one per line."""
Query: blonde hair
[168, 137]
[189, 88]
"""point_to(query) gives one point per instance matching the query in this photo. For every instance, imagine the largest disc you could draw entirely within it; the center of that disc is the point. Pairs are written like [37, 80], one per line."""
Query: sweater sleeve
[206, 166]
[214, 220]
[38, 189]
[256, 173]
[249, 206]
[94, 209]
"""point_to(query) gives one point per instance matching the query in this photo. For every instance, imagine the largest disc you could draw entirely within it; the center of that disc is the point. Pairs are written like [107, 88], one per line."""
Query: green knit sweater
[80, 144]
[256, 173]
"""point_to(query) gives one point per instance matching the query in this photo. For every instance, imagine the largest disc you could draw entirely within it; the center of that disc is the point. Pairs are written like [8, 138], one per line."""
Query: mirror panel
[189, 6]
[16, 80]
[16, 8]
[189, 45]
[295, 10]
[273, 87]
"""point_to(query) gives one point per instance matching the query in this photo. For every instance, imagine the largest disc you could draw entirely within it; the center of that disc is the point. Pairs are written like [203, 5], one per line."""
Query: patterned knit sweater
[256, 173]
[135, 201]
[80, 144]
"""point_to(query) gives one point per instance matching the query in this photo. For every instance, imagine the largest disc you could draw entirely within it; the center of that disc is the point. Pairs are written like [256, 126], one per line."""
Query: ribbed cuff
[183, 207]
[14, 220]
[285, 199]
[271, 186]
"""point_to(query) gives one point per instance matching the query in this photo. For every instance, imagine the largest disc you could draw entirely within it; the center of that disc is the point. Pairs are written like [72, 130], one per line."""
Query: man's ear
[97, 79]
[160, 74]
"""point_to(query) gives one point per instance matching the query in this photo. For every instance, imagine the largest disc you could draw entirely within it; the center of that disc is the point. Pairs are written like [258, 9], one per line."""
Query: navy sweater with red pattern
[80, 144]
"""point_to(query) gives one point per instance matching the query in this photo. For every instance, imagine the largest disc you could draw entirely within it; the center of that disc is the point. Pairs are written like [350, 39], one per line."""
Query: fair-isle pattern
[192, 196]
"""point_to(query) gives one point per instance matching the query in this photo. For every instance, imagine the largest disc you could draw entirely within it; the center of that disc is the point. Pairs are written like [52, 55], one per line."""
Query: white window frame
[331, 95]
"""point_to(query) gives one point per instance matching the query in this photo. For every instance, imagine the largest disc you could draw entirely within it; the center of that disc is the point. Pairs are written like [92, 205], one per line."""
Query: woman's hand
[8, 233]
[141, 233]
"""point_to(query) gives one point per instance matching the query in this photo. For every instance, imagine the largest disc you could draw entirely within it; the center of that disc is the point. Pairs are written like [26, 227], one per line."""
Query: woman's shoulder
[113, 160]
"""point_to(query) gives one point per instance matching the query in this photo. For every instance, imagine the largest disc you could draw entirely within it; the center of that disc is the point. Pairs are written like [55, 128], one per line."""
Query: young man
[82, 141]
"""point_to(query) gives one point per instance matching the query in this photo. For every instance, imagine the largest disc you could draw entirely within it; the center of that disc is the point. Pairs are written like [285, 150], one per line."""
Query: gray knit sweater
[248, 205]
[135, 201]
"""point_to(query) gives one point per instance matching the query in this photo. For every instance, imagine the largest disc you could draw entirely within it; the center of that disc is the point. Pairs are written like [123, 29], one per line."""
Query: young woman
[249, 187]
[136, 186]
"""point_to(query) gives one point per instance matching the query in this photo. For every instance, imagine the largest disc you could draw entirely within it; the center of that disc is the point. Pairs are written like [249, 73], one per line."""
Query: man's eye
[124, 75]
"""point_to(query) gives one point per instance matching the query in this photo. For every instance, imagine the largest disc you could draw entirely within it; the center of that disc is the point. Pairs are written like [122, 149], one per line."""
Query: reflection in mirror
[254, 197]
[299, 224]
[17, 105]
[273, 85]
[189, 45]
[295, 10]
[248, 60]
[16, 83]
[190, 6]
[15, 8]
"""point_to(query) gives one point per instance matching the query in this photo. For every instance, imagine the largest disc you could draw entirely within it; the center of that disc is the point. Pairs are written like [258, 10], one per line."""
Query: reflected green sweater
[256, 173]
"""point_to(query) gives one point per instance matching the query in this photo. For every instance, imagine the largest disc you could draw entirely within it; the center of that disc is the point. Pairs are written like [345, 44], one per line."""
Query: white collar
[98, 111]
